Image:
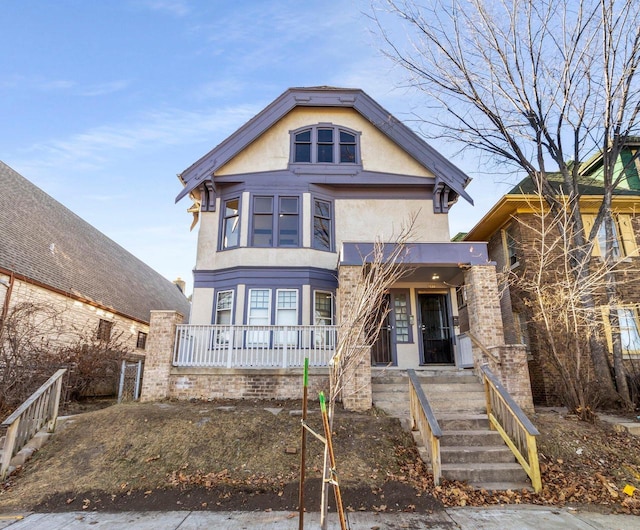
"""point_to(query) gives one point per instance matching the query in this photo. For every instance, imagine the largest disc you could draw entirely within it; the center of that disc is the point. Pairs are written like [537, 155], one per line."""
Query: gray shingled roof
[46, 242]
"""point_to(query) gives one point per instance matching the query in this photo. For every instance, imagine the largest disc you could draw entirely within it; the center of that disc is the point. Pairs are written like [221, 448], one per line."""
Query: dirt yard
[245, 455]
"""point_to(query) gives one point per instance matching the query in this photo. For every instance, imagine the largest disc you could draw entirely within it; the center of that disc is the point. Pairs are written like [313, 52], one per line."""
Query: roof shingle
[46, 242]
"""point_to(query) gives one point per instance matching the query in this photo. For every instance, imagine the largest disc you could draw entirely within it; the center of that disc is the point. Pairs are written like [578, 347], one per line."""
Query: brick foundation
[248, 383]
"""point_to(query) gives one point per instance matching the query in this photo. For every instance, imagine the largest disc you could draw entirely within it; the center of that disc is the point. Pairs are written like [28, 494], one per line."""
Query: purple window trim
[394, 293]
[222, 221]
[335, 143]
[275, 222]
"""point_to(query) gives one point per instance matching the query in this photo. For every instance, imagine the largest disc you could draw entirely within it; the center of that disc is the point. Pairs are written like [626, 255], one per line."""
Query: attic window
[325, 144]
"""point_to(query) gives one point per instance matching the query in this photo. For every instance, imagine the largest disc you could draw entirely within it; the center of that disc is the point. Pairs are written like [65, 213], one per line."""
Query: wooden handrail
[506, 417]
[39, 410]
[423, 418]
[479, 344]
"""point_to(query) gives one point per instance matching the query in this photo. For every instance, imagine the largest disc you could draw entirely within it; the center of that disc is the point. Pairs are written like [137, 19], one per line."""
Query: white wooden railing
[224, 346]
[39, 410]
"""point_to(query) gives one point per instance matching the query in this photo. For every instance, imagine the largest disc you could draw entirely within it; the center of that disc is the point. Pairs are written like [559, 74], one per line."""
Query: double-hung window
[323, 308]
[286, 315]
[259, 315]
[629, 333]
[224, 307]
[325, 144]
[323, 316]
[231, 223]
[623, 237]
[276, 215]
[629, 326]
[322, 225]
[510, 247]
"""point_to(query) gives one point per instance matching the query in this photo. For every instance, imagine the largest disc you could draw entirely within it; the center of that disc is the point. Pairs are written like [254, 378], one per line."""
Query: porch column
[356, 391]
[157, 363]
[483, 305]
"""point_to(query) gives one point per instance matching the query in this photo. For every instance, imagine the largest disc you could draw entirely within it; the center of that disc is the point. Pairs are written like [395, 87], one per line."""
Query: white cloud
[91, 149]
[174, 7]
[103, 88]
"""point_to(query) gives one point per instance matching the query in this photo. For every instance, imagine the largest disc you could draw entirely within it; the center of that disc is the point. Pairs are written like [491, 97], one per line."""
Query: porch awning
[440, 254]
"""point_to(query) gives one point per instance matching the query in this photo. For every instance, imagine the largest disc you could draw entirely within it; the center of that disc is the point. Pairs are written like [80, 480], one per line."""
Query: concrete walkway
[498, 518]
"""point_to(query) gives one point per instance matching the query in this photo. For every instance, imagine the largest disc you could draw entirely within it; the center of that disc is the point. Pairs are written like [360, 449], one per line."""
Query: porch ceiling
[436, 276]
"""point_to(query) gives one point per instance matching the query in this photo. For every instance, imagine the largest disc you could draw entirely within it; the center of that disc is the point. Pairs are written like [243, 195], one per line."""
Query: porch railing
[424, 420]
[39, 410]
[242, 346]
[506, 417]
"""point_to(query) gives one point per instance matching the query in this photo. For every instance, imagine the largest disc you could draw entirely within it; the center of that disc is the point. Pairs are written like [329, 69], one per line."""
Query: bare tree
[553, 298]
[35, 340]
[539, 85]
[362, 315]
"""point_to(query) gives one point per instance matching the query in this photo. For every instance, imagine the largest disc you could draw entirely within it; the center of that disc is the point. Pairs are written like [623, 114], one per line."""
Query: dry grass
[138, 447]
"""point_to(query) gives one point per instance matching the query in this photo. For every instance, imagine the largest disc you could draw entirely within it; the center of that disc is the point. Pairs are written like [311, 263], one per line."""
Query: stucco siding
[270, 151]
[364, 220]
[202, 306]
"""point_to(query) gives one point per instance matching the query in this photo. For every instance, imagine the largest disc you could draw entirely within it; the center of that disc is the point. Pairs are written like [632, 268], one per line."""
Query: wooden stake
[303, 450]
[332, 462]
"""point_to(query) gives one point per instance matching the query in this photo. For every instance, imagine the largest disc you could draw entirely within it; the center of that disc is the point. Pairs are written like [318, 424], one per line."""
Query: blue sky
[103, 103]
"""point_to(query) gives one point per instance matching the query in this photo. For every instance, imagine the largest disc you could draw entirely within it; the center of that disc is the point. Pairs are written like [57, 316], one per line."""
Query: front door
[435, 329]
[381, 350]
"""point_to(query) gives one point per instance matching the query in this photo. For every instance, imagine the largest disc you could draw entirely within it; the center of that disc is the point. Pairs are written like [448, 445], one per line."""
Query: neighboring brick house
[510, 230]
[288, 205]
[51, 257]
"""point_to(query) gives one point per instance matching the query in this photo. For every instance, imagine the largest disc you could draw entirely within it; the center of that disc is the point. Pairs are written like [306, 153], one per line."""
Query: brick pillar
[483, 305]
[507, 362]
[157, 363]
[356, 392]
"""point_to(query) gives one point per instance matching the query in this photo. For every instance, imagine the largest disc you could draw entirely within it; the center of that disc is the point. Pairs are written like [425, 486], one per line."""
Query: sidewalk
[499, 518]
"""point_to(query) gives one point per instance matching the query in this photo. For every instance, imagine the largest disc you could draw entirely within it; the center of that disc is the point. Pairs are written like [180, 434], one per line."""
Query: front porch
[231, 346]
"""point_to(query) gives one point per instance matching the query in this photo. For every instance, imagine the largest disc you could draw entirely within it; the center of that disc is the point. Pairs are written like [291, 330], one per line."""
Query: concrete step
[479, 473]
[390, 387]
[393, 408]
[448, 388]
[503, 486]
[460, 422]
[433, 377]
[470, 438]
[455, 454]
[443, 405]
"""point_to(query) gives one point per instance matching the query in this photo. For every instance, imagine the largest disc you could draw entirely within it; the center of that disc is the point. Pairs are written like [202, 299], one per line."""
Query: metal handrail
[39, 410]
[424, 420]
[506, 417]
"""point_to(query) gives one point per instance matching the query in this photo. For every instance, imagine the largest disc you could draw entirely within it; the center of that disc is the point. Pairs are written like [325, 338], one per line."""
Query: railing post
[9, 445]
[136, 392]
[232, 340]
[487, 397]
[284, 347]
[534, 465]
[56, 404]
[123, 369]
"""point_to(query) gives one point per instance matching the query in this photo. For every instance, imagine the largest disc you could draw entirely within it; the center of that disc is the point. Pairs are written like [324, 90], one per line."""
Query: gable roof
[46, 243]
[523, 198]
[444, 171]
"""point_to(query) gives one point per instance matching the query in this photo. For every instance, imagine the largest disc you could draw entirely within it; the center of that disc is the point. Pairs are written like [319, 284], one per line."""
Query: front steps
[469, 451]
